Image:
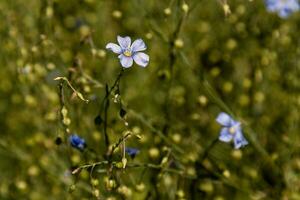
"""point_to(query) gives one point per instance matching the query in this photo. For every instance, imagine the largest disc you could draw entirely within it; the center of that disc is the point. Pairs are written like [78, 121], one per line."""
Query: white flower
[130, 52]
[231, 130]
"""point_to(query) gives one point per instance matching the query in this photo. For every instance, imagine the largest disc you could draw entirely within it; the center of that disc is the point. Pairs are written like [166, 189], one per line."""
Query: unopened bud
[226, 173]
[226, 9]
[164, 161]
[185, 7]
[94, 51]
[153, 152]
[140, 187]
[124, 162]
[179, 43]
[117, 14]
[167, 11]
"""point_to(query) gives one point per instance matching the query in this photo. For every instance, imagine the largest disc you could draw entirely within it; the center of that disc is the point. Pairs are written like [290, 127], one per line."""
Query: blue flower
[231, 130]
[77, 142]
[283, 7]
[132, 152]
[130, 52]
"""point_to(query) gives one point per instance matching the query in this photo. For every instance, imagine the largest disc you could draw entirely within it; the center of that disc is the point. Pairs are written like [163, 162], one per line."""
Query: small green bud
[179, 43]
[185, 7]
[117, 14]
[167, 11]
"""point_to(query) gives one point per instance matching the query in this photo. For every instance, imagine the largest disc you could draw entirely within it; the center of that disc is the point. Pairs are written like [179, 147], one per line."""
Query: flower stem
[207, 150]
[172, 60]
[105, 106]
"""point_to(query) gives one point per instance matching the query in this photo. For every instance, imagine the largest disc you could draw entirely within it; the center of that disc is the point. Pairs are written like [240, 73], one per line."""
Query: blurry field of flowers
[204, 104]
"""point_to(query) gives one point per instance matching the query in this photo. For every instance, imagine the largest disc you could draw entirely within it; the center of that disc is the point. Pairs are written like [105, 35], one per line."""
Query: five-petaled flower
[77, 142]
[131, 151]
[130, 52]
[284, 8]
[231, 130]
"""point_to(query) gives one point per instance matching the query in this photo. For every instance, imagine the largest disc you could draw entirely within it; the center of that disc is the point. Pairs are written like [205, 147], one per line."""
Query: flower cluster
[284, 8]
[130, 52]
[231, 130]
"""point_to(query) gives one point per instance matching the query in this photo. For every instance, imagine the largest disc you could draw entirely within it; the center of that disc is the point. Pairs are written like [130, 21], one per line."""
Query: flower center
[232, 130]
[127, 52]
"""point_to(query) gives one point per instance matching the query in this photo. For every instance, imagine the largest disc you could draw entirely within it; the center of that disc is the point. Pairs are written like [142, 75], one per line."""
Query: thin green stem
[105, 105]
[207, 150]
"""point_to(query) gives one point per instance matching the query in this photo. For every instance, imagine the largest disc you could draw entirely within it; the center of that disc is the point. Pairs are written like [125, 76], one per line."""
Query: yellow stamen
[127, 53]
[232, 130]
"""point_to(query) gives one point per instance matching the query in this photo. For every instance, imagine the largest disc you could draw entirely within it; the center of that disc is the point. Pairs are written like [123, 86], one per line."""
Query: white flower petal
[225, 136]
[114, 48]
[126, 61]
[124, 42]
[141, 59]
[239, 140]
[224, 119]
[138, 45]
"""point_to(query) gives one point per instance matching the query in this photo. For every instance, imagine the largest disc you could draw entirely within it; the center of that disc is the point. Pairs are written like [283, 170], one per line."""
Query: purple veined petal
[224, 119]
[125, 61]
[114, 48]
[124, 42]
[225, 135]
[141, 59]
[239, 140]
[138, 45]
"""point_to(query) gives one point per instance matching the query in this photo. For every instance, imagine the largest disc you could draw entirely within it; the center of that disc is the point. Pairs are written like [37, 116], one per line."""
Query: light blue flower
[130, 52]
[284, 8]
[77, 142]
[231, 130]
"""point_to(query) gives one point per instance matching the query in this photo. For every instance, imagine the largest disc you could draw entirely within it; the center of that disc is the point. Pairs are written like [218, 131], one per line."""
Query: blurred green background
[200, 60]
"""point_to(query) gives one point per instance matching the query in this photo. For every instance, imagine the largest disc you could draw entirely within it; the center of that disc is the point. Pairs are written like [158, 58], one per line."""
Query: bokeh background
[202, 61]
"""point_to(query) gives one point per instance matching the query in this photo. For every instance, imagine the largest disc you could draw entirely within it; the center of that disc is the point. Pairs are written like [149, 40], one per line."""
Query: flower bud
[124, 190]
[49, 12]
[94, 51]
[178, 43]
[119, 165]
[237, 154]
[96, 193]
[185, 7]
[95, 182]
[226, 9]
[101, 53]
[227, 87]
[149, 36]
[167, 11]
[140, 187]
[164, 161]
[21, 185]
[176, 137]
[202, 100]
[72, 188]
[180, 194]
[124, 162]
[226, 173]
[247, 83]
[110, 184]
[215, 71]
[206, 186]
[117, 14]
[153, 152]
